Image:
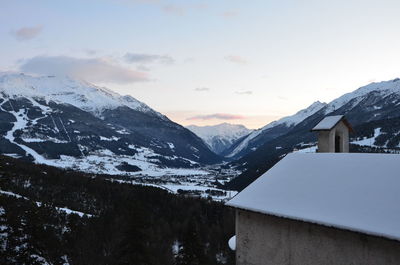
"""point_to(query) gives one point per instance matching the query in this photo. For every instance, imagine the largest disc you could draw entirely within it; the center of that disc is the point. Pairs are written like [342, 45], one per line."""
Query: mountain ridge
[64, 89]
[74, 124]
[367, 108]
[221, 136]
[271, 130]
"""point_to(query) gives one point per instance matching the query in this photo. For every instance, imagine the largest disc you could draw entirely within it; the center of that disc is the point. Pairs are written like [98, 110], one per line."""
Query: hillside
[272, 130]
[73, 124]
[53, 216]
[372, 109]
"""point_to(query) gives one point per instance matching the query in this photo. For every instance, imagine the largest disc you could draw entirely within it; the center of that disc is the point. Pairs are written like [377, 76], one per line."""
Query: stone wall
[265, 239]
[326, 139]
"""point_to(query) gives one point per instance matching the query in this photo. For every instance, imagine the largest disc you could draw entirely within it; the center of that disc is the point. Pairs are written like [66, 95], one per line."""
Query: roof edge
[343, 118]
[326, 224]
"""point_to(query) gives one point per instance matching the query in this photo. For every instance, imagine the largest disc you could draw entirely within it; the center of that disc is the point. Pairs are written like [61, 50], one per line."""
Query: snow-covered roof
[328, 123]
[358, 192]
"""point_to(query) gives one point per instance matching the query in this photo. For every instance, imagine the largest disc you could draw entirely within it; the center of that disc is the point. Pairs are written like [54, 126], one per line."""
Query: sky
[211, 61]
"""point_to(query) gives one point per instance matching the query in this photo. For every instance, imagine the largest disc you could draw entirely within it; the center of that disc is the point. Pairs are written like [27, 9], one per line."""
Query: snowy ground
[187, 181]
[369, 141]
[310, 149]
[106, 162]
[61, 209]
[204, 185]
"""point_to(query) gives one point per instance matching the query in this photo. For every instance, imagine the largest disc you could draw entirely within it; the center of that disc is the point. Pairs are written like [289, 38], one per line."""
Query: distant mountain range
[373, 110]
[74, 124]
[272, 130]
[220, 137]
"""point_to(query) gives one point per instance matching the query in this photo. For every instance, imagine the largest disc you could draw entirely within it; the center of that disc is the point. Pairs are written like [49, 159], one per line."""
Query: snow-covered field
[368, 141]
[106, 162]
[310, 149]
[188, 187]
[189, 181]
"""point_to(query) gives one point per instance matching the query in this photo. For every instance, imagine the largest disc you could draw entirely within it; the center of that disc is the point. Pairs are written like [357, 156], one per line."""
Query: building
[322, 208]
[333, 134]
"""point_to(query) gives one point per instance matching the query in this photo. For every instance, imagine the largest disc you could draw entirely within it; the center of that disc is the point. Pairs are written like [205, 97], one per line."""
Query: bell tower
[333, 134]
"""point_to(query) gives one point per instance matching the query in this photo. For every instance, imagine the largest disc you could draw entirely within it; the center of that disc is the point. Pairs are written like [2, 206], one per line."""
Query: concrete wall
[326, 139]
[269, 240]
[324, 142]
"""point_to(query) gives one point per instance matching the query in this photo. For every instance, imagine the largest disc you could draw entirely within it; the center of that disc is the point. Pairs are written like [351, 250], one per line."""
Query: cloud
[179, 9]
[90, 52]
[189, 60]
[200, 6]
[27, 33]
[201, 89]
[143, 68]
[230, 14]
[92, 70]
[235, 59]
[217, 116]
[174, 9]
[247, 92]
[148, 58]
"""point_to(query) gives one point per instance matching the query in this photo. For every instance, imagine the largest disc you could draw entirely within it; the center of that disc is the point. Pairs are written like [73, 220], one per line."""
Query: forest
[55, 216]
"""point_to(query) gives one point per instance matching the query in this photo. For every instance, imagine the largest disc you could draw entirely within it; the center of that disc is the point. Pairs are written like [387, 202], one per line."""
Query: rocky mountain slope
[373, 110]
[275, 129]
[220, 137]
[71, 123]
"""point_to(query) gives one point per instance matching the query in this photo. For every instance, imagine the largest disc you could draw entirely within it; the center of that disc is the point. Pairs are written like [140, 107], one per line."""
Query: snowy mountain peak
[298, 117]
[384, 88]
[63, 89]
[220, 137]
[286, 121]
[223, 129]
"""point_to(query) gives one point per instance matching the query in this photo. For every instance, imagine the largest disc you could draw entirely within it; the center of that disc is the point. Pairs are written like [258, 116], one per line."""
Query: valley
[74, 125]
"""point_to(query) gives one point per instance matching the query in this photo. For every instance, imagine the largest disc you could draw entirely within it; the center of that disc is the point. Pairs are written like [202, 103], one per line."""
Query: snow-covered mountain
[66, 90]
[373, 110]
[270, 131]
[376, 89]
[220, 137]
[71, 123]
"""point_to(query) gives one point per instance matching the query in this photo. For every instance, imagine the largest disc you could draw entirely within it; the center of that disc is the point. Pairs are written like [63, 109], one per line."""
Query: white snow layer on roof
[328, 122]
[358, 192]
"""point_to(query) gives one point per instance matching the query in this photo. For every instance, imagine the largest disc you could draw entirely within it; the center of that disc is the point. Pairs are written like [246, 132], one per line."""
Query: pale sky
[208, 62]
